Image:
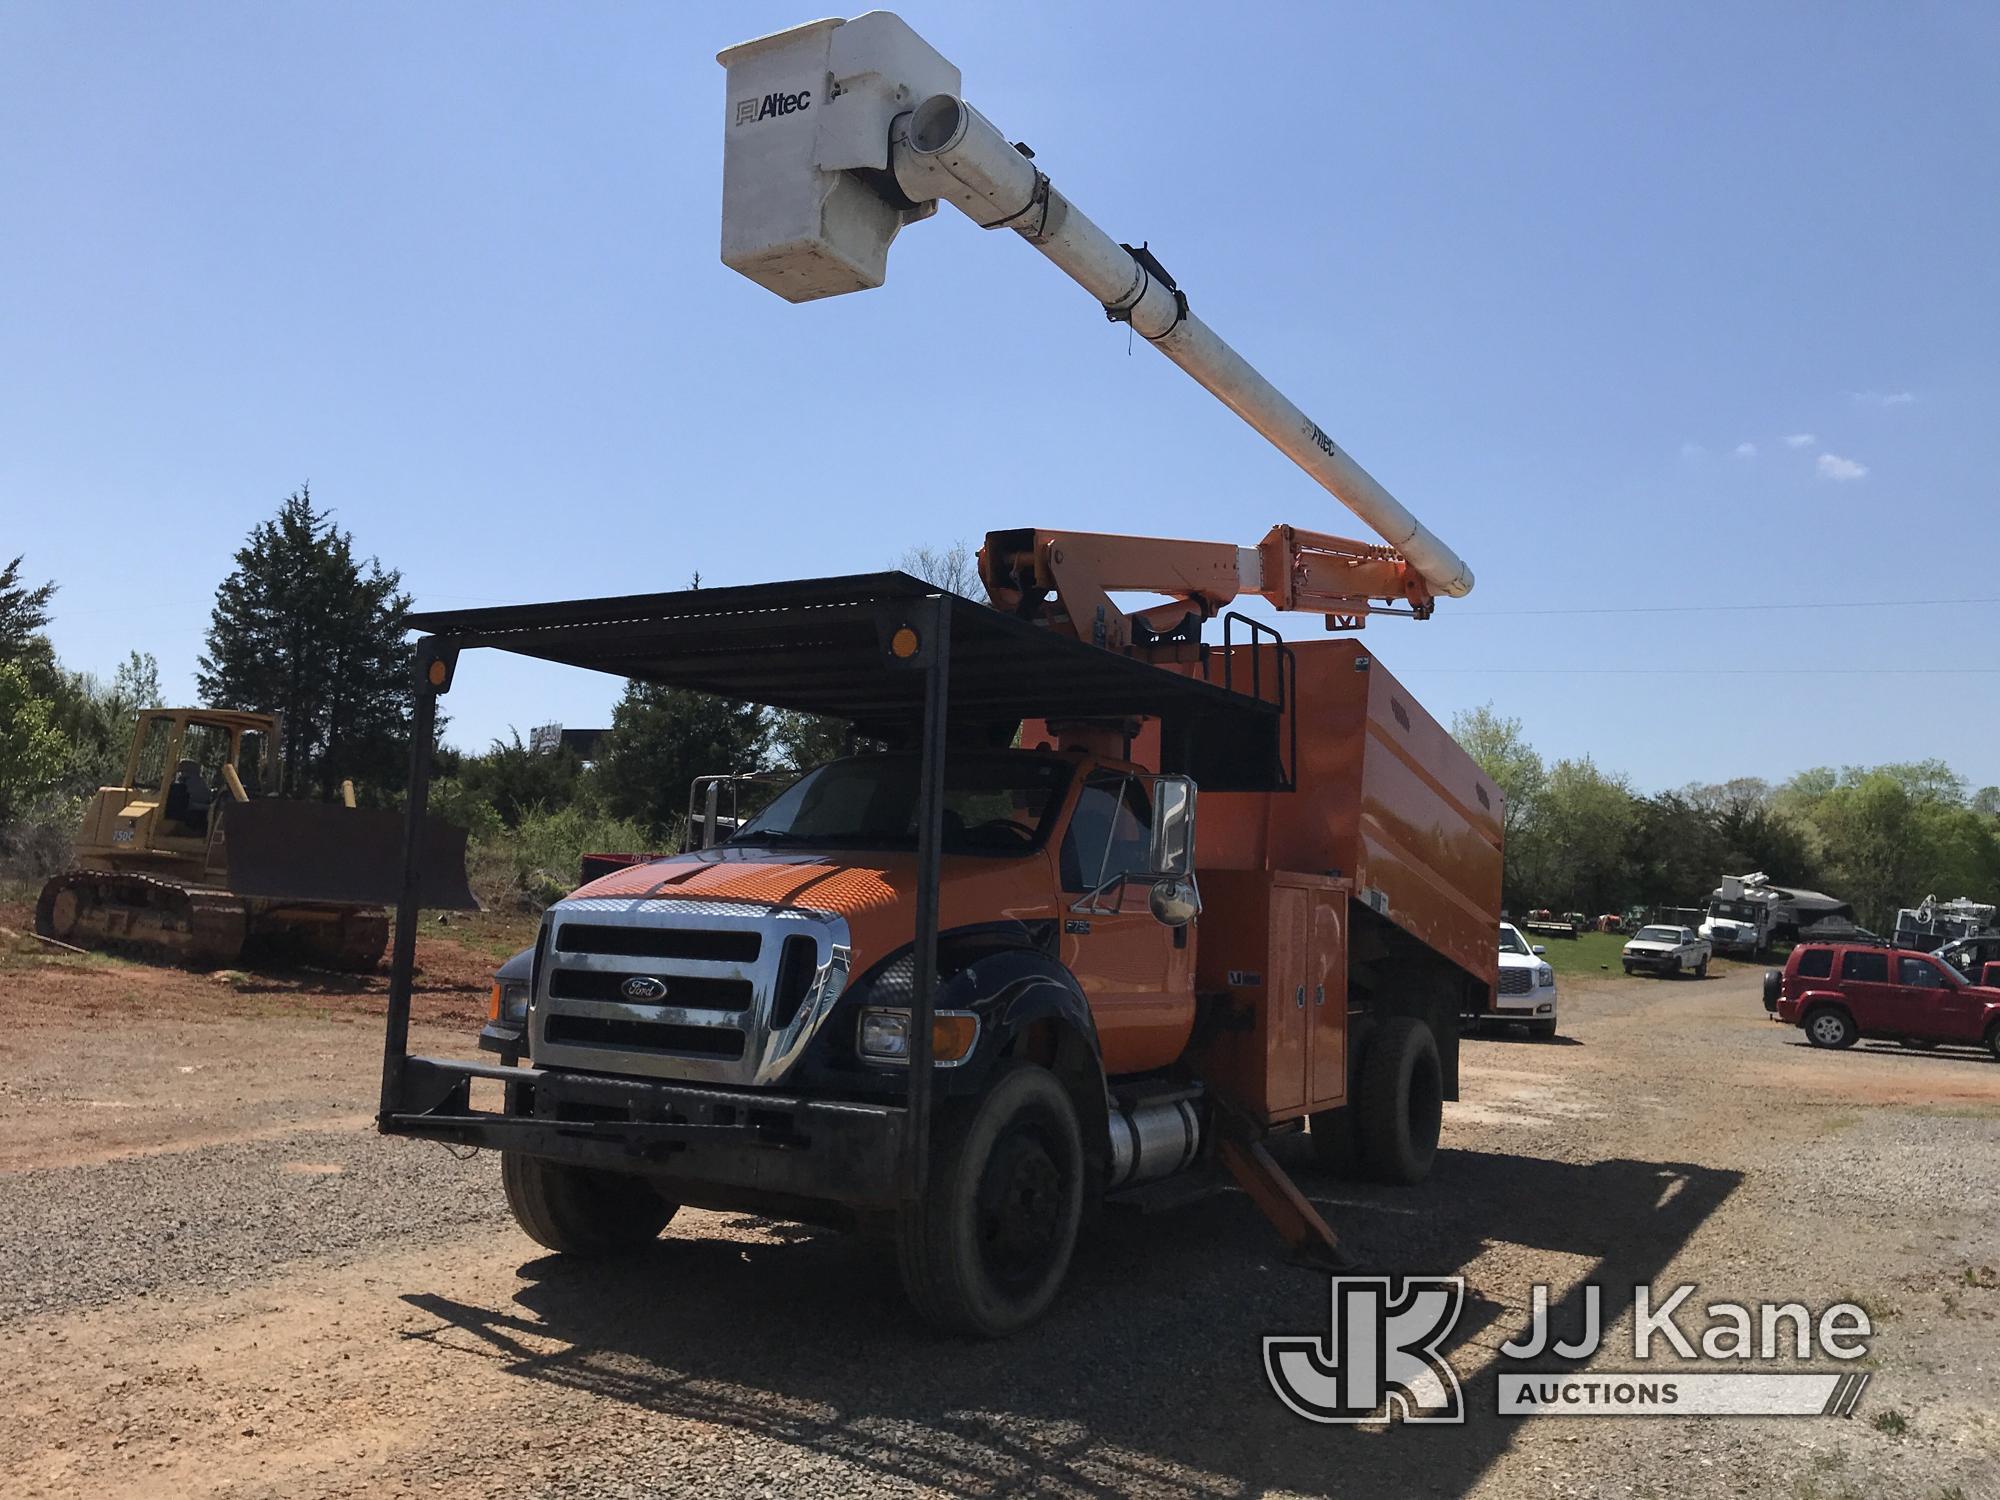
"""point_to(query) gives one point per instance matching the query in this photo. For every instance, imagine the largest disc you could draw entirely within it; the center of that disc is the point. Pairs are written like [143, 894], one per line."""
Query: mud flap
[323, 852]
[1311, 1239]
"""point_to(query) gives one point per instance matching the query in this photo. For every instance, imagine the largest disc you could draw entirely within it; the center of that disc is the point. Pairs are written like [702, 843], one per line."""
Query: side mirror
[1175, 900]
[1172, 851]
[1539, 949]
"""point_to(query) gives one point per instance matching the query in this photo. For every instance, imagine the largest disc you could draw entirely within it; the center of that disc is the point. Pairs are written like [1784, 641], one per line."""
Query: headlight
[884, 1035]
[508, 1002]
[1544, 975]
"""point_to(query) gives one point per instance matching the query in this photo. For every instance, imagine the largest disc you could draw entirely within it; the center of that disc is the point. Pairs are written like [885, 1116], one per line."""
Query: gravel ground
[304, 1309]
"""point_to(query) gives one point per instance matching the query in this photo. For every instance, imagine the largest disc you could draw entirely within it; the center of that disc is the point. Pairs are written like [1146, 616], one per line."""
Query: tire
[1401, 1101]
[1701, 969]
[1774, 984]
[580, 1211]
[1993, 1040]
[1671, 969]
[1628, 971]
[1831, 1027]
[985, 1250]
[1334, 1146]
[1542, 1029]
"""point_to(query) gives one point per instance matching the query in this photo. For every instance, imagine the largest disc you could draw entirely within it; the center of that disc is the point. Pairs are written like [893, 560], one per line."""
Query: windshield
[1733, 911]
[1659, 935]
[1511, 941]
[1000, 802]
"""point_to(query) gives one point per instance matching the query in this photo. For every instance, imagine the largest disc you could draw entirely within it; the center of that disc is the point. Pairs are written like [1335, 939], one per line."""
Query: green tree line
[1580, 838]
[305, 627]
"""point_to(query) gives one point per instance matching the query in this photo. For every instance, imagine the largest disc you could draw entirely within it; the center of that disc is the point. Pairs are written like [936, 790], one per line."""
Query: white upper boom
[838, 133]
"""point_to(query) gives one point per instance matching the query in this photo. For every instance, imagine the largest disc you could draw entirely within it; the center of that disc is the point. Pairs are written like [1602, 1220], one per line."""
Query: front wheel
[1628, 971]
[1993, 1040]
[1401, 1101]
[1671, 969]
[580, 1211]
[985, 1250]
[1543, 1029]
[1832, 1028]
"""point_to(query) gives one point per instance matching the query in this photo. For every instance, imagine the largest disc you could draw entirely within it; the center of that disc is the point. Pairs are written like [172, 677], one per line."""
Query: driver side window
[1110, 833]
[1917, 973]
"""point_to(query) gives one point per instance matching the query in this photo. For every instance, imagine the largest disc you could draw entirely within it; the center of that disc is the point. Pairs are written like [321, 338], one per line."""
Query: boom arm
[839, 133]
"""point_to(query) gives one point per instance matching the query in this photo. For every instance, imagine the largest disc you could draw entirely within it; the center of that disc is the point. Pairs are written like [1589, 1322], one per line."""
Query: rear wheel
[580, 1211]
[1993, 1040]
[986, 1248]
[1828, 1027]
[1701, 969]
[1401, 1101]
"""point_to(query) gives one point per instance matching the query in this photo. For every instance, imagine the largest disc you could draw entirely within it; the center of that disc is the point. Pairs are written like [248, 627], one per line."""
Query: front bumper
[1653, 960]
[714, 1143]
[1535, 1003]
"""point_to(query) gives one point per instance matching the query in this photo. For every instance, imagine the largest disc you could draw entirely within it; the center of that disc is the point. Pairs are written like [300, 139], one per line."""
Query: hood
[1651, 944]
[874, 890]
[1521, 961]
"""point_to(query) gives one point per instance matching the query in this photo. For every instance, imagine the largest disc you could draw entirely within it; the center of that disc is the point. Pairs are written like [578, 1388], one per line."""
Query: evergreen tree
[304, 629]
[661, 738]
[23, 611]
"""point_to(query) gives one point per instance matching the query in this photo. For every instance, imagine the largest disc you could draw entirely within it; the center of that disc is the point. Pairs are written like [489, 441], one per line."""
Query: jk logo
[1379, 1356]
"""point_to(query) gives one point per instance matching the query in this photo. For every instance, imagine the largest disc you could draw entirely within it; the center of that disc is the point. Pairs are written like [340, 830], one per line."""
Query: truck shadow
[1146, 1377]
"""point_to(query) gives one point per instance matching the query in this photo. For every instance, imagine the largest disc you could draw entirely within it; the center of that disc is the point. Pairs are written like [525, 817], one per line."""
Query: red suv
[1841, 992]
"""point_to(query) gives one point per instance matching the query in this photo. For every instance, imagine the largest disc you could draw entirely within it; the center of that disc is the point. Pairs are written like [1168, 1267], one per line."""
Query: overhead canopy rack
[828, 646]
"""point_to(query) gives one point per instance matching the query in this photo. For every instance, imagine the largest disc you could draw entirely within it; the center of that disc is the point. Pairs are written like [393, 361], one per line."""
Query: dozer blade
[320, 851]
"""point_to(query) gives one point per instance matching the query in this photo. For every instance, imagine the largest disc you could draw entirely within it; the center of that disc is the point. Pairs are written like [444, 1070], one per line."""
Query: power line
[1710, 609]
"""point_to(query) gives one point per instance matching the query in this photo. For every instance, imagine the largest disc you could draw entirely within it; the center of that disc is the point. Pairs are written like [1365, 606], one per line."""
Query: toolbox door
[1326, 999]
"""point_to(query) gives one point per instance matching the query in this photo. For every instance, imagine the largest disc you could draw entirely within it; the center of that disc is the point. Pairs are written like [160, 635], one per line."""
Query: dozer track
[164, 920]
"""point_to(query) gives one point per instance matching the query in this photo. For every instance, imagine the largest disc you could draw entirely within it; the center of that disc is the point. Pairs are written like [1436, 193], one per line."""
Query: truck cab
[771, 957]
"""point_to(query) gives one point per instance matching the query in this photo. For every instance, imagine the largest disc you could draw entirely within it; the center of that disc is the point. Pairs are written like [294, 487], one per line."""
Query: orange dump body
[1385, 800]
[1389, 815]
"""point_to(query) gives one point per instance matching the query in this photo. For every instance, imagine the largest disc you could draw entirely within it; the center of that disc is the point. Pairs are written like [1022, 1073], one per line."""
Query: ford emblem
[643, 987]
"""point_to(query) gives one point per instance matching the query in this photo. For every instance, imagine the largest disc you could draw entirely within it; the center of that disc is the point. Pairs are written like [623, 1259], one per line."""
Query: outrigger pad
[321, 851]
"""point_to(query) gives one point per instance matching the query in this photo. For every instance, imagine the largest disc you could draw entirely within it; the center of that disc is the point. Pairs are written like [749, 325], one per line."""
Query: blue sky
[1689, 307]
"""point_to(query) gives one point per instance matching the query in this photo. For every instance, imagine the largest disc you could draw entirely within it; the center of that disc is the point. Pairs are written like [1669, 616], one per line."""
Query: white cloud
[1746, 450]
[1801, 440]
[1883, 398]
[1833, 466]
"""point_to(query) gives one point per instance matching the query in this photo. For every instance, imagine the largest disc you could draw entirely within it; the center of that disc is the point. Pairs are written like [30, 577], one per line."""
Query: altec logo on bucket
[1382, 1357]
[772, 105]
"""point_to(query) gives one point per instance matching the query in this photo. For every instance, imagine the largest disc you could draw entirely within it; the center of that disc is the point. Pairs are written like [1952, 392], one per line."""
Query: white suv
[1527, 985]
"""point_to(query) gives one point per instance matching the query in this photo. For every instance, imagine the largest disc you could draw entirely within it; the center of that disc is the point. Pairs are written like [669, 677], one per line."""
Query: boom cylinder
[945, 148]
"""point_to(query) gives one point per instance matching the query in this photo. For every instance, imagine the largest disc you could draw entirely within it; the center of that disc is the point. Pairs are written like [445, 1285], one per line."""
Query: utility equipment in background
[193, 859]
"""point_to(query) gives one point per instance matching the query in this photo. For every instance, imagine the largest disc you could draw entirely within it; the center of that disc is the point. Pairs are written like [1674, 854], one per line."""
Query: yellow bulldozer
[195, 859]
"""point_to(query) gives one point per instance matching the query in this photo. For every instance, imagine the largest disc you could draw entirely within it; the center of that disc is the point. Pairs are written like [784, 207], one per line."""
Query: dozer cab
[193, 858]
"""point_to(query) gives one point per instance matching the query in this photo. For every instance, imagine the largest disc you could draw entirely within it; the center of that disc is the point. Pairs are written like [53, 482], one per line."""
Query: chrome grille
[1516, 981]
[745, 986]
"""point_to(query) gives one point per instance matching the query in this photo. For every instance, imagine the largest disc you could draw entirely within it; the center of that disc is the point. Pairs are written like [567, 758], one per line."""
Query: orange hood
[875, 892]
